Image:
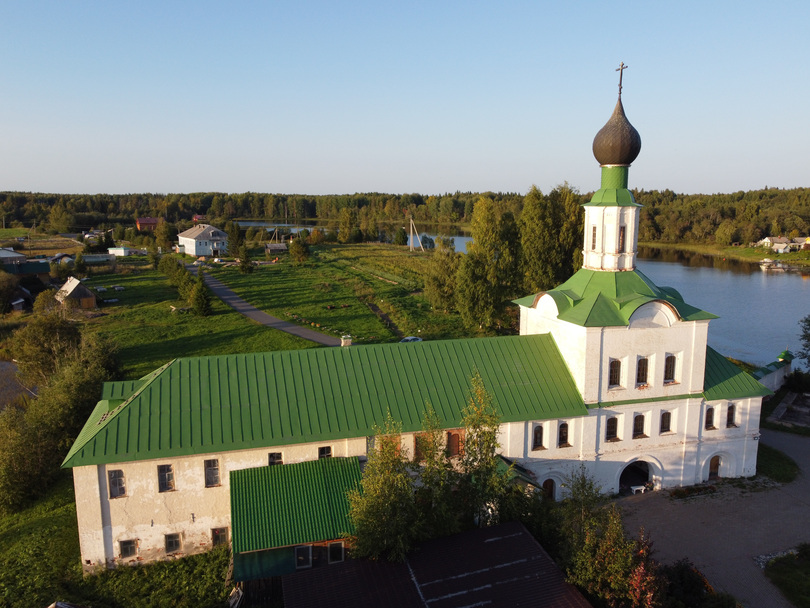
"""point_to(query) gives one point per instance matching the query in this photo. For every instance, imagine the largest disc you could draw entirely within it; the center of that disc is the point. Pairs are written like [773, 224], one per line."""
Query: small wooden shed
[73, 293]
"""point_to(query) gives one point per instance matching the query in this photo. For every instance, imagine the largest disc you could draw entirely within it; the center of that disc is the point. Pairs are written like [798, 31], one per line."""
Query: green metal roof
[612, 197]
[724, 380]
[291, 504]
[594, 298]
[199, 405]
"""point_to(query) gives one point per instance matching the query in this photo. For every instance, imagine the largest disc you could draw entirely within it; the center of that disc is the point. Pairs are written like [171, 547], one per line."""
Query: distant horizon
[327, 98]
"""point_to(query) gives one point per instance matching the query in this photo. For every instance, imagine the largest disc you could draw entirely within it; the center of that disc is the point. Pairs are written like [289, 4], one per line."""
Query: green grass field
[791, 574]
[332, 293]
[149, 334]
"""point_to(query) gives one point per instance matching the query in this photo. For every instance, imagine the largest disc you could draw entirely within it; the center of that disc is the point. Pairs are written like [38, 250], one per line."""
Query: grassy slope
[149, 334]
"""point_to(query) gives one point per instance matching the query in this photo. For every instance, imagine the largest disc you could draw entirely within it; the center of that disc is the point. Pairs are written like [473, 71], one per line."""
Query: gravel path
[225, 294]
[724, 533]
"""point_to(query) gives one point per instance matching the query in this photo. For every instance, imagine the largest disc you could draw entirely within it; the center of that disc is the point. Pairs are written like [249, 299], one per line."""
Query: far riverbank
[754, 255]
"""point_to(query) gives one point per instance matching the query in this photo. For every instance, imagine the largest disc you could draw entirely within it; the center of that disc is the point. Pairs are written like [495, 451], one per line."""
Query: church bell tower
[611, 217]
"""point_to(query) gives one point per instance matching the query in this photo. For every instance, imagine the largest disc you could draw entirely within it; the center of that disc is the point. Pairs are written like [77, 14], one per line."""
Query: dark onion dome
[618, 142]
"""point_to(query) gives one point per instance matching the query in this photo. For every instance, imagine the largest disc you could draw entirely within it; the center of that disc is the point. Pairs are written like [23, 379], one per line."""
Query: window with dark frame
[666, 422]
[274, 458]
[710, 418]
[641, 371]
[219, 536]
[638, 426]
[336, 552]
[615, 373]
[562, 436]
[212, 473]
[118, 485]
[669, 369]
[172, 543]
[612, 429]
[129, 548]
[593, 239]
[730, 422]
[325, 452]
[165, 478]
[303, 557]
[622, 238]
[455, 443]
[537, 442]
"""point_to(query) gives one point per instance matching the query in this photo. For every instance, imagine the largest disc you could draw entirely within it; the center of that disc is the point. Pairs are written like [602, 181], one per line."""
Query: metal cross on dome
[621, 70]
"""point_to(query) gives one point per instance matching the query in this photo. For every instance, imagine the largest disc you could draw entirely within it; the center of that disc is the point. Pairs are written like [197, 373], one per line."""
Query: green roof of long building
[200, 405]
[594, 298]
[724, 380]
[292, 504]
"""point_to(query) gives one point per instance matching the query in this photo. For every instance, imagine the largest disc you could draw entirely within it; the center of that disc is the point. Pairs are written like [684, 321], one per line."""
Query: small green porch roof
[201, 405]
[292, 504]
[724, 380]
[594, 298]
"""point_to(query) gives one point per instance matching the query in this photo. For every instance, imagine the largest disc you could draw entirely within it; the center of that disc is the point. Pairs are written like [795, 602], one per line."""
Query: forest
[668, 217]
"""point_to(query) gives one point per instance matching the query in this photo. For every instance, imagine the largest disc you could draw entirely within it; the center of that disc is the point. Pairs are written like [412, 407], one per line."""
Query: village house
[147, 224]
[203, 240]
[73, 293]
[609, 371]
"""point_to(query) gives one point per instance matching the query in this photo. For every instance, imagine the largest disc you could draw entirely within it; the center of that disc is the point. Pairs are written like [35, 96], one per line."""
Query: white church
[609, 371]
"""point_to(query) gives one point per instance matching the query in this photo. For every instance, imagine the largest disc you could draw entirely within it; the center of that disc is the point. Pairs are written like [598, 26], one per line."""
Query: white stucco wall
[146, 515]
[680, 457]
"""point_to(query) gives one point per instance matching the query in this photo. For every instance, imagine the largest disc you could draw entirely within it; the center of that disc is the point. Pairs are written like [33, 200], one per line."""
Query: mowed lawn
[149, 334]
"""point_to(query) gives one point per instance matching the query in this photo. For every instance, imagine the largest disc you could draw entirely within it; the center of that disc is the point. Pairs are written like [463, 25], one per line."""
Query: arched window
[709, 418]
[612, 429]
[562, 436]
[638, 426]
[669, 368]
[666, 422]
[537, 442]
[622, 238]
[730, 422]
[641, 371]
[615, 373]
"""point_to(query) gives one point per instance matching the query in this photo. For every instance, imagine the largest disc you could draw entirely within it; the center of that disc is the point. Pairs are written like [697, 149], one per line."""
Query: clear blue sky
[429, 97]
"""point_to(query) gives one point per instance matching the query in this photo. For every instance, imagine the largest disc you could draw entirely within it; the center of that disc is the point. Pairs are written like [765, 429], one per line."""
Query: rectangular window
[455, 443]
[622, 238]
[219, 536]
[730, 421]
[325, 452]
[537, 439]
[274, 458]
[336, 552]
[666, 422]
[638, 427]
[615, 373]
[669, 369]
[303, 557]
[129, 548]
[165, 478]
[612, 429]
[562, 436]
[172, 543]
[641, 371]
[593, 239]
[118, 486]
[710, 418]
[211, 473]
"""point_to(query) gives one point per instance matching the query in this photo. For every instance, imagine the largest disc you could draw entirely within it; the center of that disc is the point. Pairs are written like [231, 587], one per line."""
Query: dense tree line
[666, 216]
[67, 366]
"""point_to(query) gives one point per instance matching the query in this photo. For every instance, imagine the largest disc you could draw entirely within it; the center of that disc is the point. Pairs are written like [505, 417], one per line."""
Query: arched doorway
[714, 467]
[635, 474]
[549, 488]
